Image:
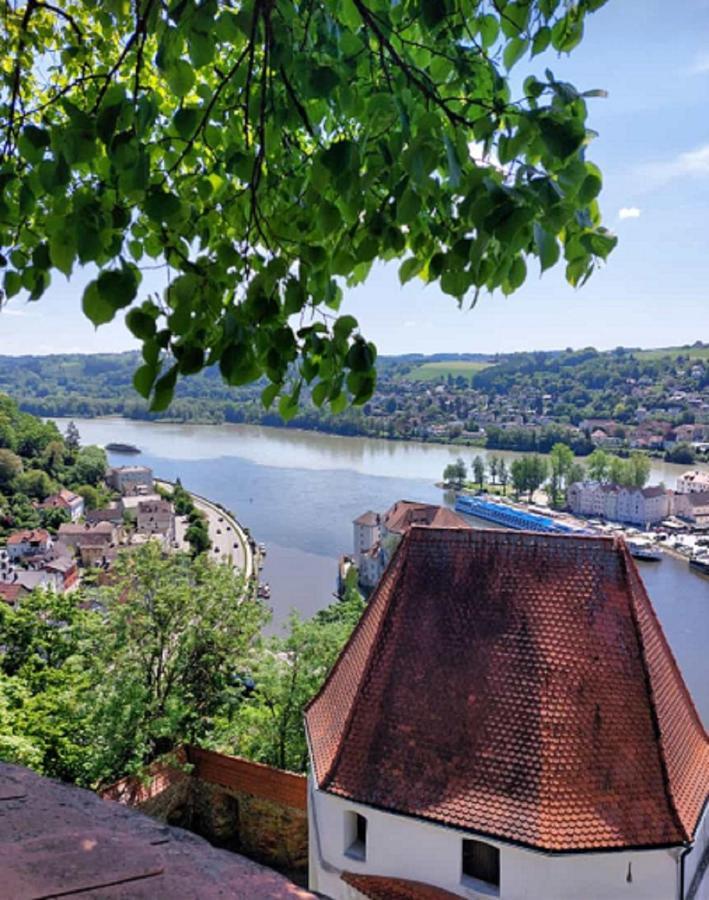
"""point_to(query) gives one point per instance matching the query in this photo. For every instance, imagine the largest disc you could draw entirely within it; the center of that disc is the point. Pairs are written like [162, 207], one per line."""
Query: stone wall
[255, 809]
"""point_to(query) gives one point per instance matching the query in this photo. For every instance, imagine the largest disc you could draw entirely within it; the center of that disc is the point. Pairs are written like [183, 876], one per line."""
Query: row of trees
[561, 469]
[97, 684]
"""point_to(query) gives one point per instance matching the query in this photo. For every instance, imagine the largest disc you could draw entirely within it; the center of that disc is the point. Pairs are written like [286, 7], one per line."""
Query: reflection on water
[268, 478]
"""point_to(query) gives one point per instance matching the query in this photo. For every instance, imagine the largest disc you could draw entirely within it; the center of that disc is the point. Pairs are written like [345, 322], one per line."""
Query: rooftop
[519, 686]
[405, 513]
[30, 536]
[57, 840]
[379, 887]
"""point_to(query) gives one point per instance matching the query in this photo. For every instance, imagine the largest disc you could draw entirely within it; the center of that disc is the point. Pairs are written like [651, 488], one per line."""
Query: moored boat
[700, 562]
[122, 448]
[644, 550]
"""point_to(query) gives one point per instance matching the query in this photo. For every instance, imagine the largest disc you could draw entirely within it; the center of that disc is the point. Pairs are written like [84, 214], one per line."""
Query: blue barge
[509, 517]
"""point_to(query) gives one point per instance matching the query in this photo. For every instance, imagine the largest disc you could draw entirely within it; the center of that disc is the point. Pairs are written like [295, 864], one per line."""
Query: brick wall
[255, 809]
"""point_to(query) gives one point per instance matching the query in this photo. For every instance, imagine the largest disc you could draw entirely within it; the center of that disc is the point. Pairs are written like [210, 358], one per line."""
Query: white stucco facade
[403, 847]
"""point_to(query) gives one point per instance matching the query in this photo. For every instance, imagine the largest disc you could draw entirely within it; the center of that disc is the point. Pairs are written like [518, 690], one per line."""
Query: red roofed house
[71, 502]
[507, 720]
[376, 537]
[28, 543]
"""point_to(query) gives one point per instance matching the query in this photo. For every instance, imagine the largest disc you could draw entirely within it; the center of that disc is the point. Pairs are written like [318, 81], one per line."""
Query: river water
[298, 493]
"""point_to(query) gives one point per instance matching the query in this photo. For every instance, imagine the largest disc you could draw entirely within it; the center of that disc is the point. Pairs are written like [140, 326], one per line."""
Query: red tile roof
[58, 840]
[405, 513]
[38, 535]
[11, 593]
[380, 887]
[519, 686]
[369, 518]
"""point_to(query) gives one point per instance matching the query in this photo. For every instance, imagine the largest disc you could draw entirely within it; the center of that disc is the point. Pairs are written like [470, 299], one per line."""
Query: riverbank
[223, 528]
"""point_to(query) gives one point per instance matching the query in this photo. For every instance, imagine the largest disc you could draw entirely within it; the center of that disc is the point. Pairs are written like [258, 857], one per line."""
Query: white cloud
[692, 163]
[13, 311]
[628, 212]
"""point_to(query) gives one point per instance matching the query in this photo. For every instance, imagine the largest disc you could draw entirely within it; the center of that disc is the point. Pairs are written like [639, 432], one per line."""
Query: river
[298, 493]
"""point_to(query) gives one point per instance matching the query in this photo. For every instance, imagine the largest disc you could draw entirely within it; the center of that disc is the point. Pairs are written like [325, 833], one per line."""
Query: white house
[507, 721]
[639, 506]
[692, 481]
[28, 543]
[156, 517]
[68, 500]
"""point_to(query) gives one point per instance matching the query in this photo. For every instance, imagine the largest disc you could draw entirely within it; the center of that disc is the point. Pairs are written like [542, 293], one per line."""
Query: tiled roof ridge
[649, 687]
[638, 596]
[324, 779]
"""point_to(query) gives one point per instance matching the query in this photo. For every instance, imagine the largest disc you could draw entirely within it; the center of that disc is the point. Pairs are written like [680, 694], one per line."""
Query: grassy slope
[660, 352]
[431, 370]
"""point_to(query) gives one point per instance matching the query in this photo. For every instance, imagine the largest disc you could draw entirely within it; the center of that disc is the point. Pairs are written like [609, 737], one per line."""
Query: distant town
[656, 401]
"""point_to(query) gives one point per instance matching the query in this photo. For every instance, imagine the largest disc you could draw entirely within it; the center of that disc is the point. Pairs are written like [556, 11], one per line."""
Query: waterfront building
[637, 506]
[507, 720]
[129, 504]
[376, 536]
[693, 481]
[130, 479]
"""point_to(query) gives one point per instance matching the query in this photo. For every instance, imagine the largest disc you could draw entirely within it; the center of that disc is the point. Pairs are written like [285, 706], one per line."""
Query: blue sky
[653, 148]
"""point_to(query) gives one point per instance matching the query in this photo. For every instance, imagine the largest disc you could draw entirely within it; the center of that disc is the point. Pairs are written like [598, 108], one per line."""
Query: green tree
[561, 459]
[10, 469]
[268, 152]
[494, 468]
[638, 469]
[35, 483]
[89, 467]
[72, 439]
[288, 672]
[455, 473]
[598, 465]
[175, 634]
[479, 471]
[504, 475]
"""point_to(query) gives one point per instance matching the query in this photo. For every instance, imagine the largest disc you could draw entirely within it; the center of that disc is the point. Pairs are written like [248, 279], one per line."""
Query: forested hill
[417, 397]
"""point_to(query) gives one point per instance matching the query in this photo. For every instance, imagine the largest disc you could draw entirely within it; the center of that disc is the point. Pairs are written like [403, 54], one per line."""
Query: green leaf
[161, 206]
[514, 51]
[409, 268]
[408, 207]
[561, 138]
[118, 287]
[185, 121]
[201, 49]
[164, 390]
[489, 30]
[433, 12]
[269, 394]
[541, 40]
[320, 393]
[95, 307]
[12, 284]
[180, 78]
[590, 188]
[547, 247]
[323, 80]
[140, 324]
[143, 379]
[62, 250]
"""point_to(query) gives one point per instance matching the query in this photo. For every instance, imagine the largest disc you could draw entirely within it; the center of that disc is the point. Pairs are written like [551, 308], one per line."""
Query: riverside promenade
[229, 541]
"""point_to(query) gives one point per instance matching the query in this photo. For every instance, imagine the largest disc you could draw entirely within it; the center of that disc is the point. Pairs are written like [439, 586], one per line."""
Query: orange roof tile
[519, 686]
[405, 513]
[380, 887]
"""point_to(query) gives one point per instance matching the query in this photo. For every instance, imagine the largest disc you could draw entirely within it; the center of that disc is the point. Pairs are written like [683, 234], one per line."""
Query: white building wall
[693, 861]
[403, 847]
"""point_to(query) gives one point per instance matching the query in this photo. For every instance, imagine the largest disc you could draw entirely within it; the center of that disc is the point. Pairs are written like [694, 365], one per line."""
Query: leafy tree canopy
[268, 152]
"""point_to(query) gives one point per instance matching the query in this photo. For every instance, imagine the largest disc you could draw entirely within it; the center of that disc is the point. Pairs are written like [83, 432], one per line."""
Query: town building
[693, 506]
[68, 500]
[112, 514]
[376, 536]
[156, 517]
[693, 481]
[129, 504]
[28, 543]
[94, 544]
[13, 593]
[63, 572]
[130, 479]
[637, 506]
[507, 720]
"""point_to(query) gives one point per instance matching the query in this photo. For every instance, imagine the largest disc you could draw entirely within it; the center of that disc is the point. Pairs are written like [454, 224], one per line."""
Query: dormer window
[355, 836]
[481, 864]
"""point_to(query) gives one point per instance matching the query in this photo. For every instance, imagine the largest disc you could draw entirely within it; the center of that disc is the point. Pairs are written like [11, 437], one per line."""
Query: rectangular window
[355, 835]
[481, 861]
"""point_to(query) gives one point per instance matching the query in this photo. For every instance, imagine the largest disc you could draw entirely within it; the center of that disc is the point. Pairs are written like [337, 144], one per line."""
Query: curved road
[230, 543]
